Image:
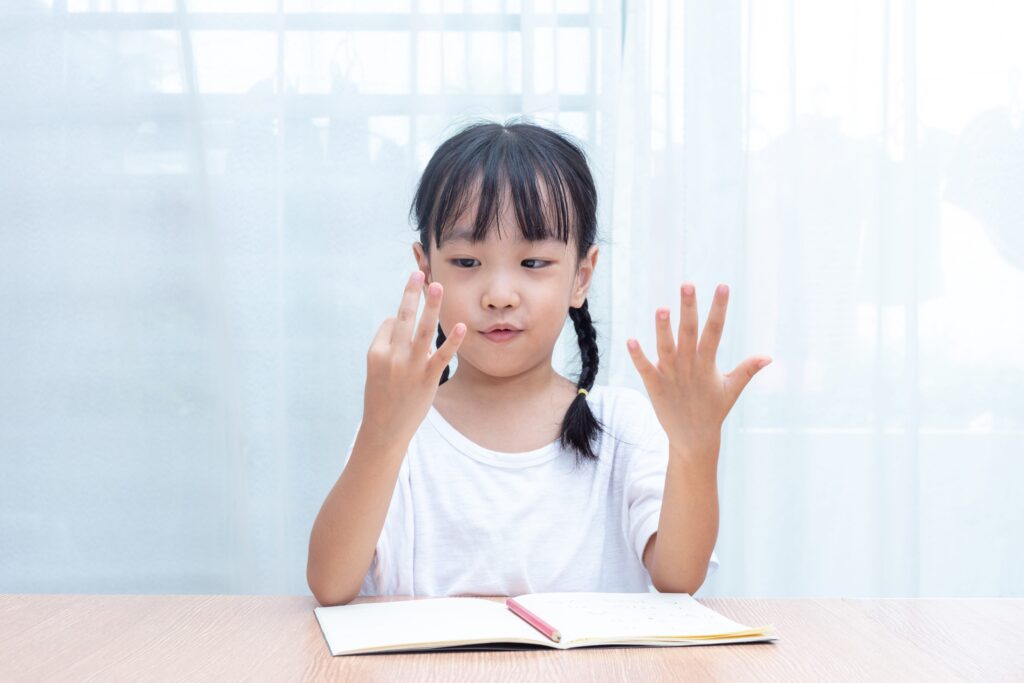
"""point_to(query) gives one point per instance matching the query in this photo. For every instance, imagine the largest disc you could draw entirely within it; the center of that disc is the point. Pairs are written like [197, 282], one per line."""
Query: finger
[712, 335]
[643, 366]
[666, 345]
[737, 380]
[407, 310]
[443, 356]
[427, 326]
[383, 337]
[687, 321]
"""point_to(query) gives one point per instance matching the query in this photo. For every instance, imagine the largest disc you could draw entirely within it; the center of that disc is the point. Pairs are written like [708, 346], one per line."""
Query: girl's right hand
[402, 374]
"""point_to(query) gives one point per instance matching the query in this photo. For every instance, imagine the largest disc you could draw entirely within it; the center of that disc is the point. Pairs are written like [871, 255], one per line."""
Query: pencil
[533, 620]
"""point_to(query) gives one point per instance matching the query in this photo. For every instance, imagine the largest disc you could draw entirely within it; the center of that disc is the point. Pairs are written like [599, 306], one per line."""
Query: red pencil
[533, 620]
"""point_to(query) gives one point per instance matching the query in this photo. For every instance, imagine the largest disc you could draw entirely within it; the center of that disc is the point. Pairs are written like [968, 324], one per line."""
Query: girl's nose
[500, 293]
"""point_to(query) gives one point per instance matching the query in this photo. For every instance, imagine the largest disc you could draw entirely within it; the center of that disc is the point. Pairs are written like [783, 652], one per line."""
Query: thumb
[440, 358]
[743, 373]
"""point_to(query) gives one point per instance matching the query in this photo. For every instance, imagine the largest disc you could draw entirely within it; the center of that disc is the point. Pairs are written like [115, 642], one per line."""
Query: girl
[507, 478]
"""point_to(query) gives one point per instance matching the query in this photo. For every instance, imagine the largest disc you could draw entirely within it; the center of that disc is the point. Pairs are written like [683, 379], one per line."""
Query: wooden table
[277, 638]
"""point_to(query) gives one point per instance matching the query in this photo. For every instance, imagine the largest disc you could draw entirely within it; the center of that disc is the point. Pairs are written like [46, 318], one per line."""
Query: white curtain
[204, 220]
[204, 212]
[855, 172]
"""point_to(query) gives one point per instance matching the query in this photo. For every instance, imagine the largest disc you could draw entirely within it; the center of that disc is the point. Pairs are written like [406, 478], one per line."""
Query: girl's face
[506, 280]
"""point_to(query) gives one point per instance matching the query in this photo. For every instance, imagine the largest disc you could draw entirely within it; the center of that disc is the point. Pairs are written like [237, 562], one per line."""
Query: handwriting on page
[613, 609]
[626, 615]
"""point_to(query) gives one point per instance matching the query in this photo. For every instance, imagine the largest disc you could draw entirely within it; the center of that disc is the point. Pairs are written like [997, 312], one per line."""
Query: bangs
[493, 166]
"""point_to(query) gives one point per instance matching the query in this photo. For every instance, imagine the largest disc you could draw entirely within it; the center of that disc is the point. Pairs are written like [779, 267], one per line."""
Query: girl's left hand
[690, 397]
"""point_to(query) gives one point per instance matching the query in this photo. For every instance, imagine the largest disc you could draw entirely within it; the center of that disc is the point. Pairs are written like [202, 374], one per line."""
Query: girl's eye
[535, 260]
[468, 263]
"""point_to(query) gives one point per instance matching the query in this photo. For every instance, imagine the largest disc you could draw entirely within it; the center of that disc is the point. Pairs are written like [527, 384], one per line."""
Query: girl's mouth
[501, 336]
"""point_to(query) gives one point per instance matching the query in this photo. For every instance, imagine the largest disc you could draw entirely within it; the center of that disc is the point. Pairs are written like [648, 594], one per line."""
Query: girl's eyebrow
[466, 235]
[461, 236]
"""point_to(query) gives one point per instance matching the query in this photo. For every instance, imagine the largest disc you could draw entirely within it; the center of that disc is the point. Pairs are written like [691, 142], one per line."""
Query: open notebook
[553, 620]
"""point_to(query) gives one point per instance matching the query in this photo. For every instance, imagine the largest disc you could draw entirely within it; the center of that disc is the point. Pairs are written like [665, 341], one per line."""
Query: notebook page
[421, 623]
[626, 616]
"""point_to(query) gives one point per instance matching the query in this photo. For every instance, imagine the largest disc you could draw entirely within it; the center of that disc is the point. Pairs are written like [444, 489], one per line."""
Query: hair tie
[582, 391]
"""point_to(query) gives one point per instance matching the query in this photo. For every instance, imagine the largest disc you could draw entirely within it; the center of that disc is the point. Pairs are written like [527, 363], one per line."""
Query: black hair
[525, 159]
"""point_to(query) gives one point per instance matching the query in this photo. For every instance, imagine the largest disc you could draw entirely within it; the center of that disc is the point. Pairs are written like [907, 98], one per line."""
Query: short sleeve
[646, 466]
[645, 479]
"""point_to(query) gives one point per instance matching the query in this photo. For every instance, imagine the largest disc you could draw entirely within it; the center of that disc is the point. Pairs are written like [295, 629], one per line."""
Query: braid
[440, 341]
[580, 426]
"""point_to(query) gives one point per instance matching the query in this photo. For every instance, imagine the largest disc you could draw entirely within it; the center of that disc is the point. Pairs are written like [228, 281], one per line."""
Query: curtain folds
[848, 177]
[205, 218]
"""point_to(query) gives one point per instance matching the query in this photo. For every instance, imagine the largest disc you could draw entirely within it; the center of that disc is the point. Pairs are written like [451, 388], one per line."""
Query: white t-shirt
[467, 520]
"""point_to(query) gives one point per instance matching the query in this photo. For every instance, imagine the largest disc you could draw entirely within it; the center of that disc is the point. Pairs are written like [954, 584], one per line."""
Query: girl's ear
[422, 262]
[584, 276]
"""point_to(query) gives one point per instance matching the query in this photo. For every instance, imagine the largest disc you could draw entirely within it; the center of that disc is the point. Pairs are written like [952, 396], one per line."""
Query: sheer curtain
[204, 221]
[853, 171]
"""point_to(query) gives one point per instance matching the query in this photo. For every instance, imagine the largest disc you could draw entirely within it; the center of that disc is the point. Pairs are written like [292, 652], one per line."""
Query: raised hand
[690, 397]
[402, 374]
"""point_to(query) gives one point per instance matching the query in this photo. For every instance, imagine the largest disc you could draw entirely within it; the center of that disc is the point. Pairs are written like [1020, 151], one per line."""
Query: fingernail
[663, 315]
[416, 277]
[434, 288]
[688, 290]
[631, 343]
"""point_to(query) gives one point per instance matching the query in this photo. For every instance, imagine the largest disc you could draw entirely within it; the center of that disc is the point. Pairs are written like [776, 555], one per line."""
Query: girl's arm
[688, 527]
[691, 399]
[402, 377]
[350, 521]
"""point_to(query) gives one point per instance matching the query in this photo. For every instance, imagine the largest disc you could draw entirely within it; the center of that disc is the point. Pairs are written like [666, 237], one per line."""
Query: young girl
[507, 478]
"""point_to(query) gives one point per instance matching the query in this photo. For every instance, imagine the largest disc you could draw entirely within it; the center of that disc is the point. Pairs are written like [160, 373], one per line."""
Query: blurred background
[203, 221]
